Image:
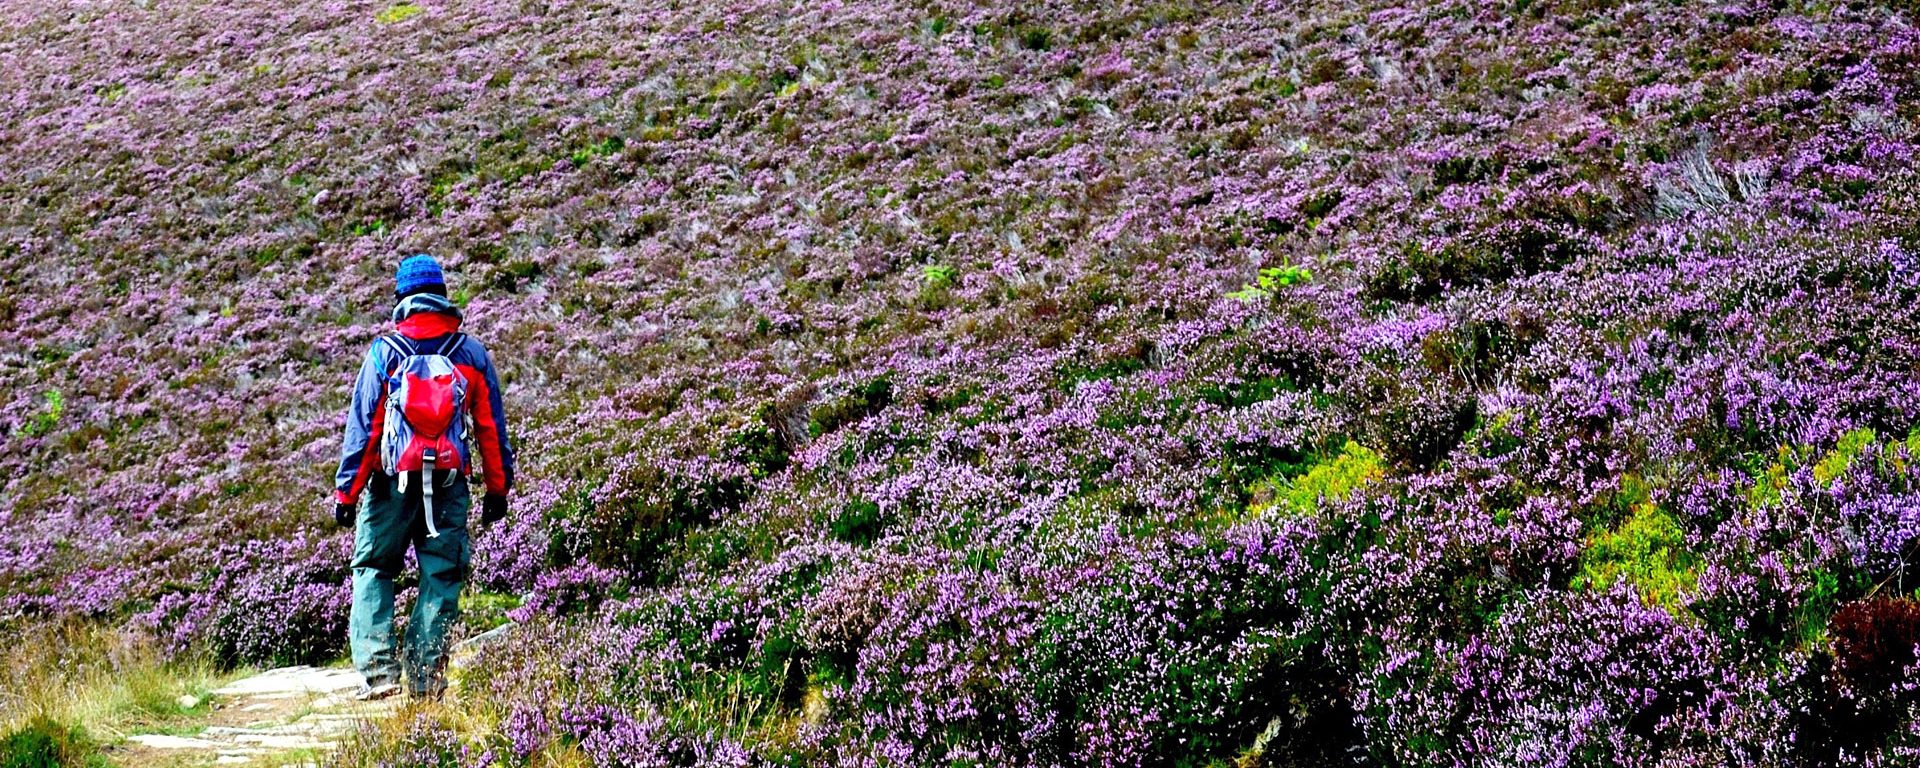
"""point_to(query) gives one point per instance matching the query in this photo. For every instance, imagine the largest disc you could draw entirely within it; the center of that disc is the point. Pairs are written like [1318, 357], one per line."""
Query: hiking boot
[375, 691]
[430, 693]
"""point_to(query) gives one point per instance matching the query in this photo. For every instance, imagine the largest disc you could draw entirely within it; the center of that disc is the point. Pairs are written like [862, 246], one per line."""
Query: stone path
[285, 716]
[298, 710]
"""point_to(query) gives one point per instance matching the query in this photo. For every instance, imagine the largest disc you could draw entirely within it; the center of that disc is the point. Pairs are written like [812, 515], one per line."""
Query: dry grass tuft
[107, 682]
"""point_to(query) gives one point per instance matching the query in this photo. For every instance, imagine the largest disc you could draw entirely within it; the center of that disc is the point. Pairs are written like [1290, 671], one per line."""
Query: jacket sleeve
[365, 416]
[490, 425]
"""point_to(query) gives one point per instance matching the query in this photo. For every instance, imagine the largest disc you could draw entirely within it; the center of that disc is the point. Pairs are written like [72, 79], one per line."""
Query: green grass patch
[937, 276]
[862, 401]
[67, 689]
[486, 610]
[1242, 393]
[1770, 481]
[861, 523]
[1270, 281]
[42, 742]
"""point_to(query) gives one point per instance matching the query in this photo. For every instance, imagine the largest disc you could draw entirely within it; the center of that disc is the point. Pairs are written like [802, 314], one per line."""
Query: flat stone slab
[279, 742]
[291, 681]
[163, 741]
[273, 713]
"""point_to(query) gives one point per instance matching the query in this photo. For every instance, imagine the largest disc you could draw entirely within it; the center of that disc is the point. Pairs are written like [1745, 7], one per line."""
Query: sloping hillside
[909, 383]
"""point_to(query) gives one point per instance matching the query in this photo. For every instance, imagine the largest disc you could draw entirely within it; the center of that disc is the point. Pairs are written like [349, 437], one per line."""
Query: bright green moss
[1648, 551]
[1895, 460]
[1634, 490]
[398, 13]
[1771, 481]
[936, 276]
[1332, 480]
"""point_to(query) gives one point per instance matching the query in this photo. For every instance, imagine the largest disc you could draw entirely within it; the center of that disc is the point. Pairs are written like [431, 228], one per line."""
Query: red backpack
[424, 428]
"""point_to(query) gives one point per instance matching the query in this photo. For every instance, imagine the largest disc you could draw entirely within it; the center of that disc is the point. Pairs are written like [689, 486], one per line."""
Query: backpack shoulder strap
[400, 346]
[452, 343]
[402, 349]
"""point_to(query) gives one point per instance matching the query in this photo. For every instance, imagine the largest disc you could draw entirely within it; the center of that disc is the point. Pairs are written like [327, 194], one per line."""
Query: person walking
[424, 393]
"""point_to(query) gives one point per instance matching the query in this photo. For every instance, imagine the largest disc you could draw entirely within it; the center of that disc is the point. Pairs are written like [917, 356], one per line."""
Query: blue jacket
[427, 320]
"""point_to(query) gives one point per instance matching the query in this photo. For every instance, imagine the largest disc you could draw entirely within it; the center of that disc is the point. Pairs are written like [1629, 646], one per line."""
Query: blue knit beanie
[417, 272]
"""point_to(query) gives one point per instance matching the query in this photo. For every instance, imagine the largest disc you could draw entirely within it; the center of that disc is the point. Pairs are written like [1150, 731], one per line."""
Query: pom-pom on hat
[419, 273]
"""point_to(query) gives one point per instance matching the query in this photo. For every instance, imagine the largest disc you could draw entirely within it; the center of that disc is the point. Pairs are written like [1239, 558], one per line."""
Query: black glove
[492, 509]
[343, 514]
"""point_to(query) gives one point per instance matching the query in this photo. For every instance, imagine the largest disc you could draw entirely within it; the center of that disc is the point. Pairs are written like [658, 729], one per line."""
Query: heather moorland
[1125, 383]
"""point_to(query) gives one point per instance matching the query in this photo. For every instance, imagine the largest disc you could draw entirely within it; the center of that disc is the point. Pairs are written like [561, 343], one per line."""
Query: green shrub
[1770, 481]
[1270, 281]
[602, 148]
[1502, 252]
[1837, 461]
[936, 285]
[398, 13]
[1242, 393]
[1035, 38]
[1649, 551]
[44, 422]
[638, 517]
[863, 401]
[1822, 598]
[936, 276]
[1332, 480]
[758, 445]
[1898, 453]
[860, 524]
[1494, 437]
[43, 742]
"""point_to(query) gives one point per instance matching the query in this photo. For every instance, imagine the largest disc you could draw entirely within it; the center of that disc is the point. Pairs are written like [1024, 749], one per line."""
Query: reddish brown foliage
[1873, 643]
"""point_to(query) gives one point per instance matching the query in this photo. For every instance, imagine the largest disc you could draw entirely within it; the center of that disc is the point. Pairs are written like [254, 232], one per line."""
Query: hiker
[406, 446]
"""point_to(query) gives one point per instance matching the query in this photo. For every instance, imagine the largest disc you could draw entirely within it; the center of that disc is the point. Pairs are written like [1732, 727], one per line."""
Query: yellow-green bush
[1649, 551]
[1333, 480]
[1840, 459]
[1770, 481]
[398, 13]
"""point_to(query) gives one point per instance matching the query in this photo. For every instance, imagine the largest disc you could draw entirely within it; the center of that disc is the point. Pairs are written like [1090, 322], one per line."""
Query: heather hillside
[925, 383]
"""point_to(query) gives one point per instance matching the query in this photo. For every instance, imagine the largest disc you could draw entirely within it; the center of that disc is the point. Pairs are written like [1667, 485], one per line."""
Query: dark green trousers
[387, 524]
